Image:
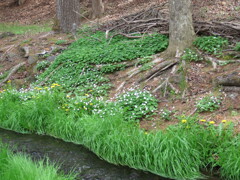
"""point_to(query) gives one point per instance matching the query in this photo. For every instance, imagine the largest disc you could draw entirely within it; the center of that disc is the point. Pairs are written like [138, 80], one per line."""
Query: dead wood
[13, 71]
[157, 68]
[155, 19]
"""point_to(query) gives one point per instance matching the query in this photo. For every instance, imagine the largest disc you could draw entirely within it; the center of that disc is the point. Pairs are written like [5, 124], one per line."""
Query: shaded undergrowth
[180, 152]
[77, 68]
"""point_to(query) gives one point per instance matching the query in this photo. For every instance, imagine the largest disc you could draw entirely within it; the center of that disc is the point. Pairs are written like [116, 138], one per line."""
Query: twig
[13, 71]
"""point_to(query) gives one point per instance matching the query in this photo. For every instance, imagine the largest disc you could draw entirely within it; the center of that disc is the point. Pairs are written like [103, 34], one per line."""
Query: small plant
[191, 55]
[237, 47]
[145, 60]
[166, 114]
[208, 103]
[137, 104]
[60, 41]
[109, 68]
[146, 66]
[211, 44]
[42, 65]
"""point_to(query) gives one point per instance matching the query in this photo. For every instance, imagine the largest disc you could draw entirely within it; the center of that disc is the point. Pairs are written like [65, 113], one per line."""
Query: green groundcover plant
[179, 152]
[76, 69]
[211, 44]
[21, 167]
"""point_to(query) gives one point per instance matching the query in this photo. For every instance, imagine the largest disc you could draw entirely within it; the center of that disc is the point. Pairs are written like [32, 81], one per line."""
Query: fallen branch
[13, 71]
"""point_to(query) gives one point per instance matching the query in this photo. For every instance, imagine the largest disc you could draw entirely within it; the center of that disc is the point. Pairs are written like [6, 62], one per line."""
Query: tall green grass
[180, 152]
[21, 167]
[22, 29]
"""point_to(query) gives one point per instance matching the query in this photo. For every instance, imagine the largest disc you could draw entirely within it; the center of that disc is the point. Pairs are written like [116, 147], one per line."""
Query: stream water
[69, 156]
[85, 163]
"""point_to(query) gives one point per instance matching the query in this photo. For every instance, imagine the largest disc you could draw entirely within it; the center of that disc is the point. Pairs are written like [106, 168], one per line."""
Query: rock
[25, 49]
[6, 34]
[232, 79]
[51, 58]
[32, 59]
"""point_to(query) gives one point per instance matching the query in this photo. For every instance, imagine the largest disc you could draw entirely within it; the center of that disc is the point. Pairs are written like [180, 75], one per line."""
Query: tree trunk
[67, 16]
[181, 30]
[97, 8]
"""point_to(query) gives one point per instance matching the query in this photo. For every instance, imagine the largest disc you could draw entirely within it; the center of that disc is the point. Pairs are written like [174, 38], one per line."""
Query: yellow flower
[146, 133]
[86, 94]
[188, 127]
[52, 86]
[91, 104]
[8, 81]
[45, 87]
[211, 122]
[84, 108]
[90, 90]
[68, 96]
[224, 121]
[66, 109]
[203, 120]
[184, 121]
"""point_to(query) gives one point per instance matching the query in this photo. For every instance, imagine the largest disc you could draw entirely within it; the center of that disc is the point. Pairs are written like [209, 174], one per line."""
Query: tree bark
[181, 31]
[67, 16]
[97, 8]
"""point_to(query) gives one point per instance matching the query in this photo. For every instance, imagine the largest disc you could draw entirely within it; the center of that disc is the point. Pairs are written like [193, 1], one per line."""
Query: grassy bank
[21, 167]
[180, 152]
[22, 29]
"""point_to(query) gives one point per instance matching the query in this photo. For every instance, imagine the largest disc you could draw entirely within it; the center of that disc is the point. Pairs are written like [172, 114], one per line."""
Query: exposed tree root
[166, 83]
[157, 69]
[13, 71]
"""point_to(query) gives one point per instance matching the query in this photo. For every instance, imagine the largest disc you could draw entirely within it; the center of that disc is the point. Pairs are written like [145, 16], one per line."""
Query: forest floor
[200, 75]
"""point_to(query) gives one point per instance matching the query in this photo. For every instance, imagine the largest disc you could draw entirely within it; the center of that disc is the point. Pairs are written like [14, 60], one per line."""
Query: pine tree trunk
[66, 14]
[97, 8]
[181, 30]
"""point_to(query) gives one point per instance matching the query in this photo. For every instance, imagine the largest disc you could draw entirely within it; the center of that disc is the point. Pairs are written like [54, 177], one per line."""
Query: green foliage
[166, 114]
[144, 60]
[109, 68]
[211, 44]
[191, 55]
[42, 65]
[146, 66]
[77, 66]
[237, 47]
[192, 144]
[21, 167]
[60, 41]
[229, 159]
[22, 29]
[137, 104]
[4, 75]
[109, 136]
[208, 103]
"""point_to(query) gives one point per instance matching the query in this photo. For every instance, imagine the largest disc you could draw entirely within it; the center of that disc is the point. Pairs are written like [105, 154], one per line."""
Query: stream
[69, 156]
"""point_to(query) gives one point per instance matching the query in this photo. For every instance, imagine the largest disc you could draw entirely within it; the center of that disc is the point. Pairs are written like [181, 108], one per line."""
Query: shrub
[42, 65]
[61, 41]
[237, 47]
[211, 44]
[208, 103]
[166, 114]
[137, 104]
[191, 55]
